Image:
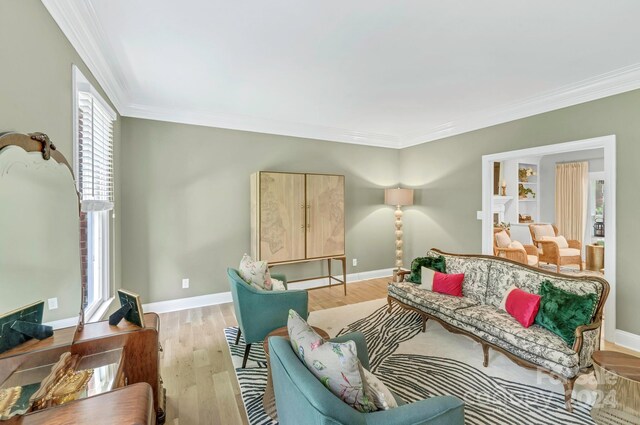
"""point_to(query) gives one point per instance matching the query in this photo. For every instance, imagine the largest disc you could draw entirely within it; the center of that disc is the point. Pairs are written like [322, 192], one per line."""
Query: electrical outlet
[53, 303]
[185, 283]
[355, 262]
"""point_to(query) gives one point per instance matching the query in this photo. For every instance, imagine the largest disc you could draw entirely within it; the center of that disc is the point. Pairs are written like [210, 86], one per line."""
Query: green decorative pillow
[562, 312]
[433, 263]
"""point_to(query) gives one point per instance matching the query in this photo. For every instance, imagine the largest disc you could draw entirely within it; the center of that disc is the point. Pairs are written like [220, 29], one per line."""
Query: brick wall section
[84, 255]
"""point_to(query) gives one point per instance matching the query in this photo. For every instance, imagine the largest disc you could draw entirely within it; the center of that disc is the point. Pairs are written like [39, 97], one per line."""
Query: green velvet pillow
[433, 263]
[562, 312]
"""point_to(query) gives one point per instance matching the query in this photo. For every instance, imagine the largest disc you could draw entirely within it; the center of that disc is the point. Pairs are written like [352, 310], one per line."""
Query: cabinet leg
[329, 268]
[344, 274]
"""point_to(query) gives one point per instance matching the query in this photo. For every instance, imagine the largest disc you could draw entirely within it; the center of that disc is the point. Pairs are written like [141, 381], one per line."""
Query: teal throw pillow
[433, 263]
[562, 312]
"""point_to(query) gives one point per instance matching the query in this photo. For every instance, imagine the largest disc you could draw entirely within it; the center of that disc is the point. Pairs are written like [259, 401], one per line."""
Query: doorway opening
[519, 196]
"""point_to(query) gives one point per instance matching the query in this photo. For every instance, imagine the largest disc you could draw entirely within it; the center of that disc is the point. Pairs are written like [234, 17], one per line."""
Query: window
[93, 163]
[596, 201]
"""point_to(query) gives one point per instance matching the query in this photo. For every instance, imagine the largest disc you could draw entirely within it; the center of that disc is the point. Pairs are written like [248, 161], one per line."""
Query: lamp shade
[398, 196]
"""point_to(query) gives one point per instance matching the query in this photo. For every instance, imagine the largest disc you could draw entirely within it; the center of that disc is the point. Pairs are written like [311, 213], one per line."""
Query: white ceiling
[377, 72]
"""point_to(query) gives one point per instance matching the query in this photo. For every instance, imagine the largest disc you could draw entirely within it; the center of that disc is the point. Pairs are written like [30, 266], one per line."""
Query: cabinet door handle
[308, 217]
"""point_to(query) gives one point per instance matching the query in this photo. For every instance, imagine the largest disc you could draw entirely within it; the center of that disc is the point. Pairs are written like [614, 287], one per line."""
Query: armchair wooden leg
[485, 352]
[238, 336]
[246, 355]
[558, 268]
[568, 390]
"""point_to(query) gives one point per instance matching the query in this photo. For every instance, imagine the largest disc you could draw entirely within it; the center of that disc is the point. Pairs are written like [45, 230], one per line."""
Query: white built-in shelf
[527, 200]
[527, 182]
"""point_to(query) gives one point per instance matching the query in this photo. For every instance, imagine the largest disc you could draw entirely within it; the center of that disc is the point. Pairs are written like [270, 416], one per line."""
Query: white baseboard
[351, 277]
[186, 303]
[63, 323]
[225, 297]
[628, 340]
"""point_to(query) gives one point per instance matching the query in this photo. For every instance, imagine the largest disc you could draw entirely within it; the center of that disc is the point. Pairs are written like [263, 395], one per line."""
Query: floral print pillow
[336, 365]
[255, 273]
[382, 397]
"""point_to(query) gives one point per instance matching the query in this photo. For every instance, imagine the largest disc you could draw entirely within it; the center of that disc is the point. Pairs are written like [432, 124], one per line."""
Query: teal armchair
[259, 312]
[301, 398]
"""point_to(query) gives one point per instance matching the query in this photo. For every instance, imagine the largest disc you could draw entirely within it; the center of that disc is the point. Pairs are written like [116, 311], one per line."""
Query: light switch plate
[354, 262]
[185, 283]
[53, 303]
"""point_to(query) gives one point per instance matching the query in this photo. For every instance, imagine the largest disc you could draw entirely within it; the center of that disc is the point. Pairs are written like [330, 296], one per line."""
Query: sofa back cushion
[475, 270]
[504, 274]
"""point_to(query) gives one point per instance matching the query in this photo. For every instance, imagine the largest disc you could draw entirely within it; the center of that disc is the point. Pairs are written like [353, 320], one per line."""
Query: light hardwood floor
[196, 364]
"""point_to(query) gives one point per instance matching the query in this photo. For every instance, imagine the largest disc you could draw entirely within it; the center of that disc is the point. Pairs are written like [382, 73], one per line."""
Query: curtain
[572, 190]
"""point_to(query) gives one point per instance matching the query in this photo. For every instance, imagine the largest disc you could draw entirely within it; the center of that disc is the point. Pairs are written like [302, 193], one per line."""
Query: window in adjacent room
[93, 165]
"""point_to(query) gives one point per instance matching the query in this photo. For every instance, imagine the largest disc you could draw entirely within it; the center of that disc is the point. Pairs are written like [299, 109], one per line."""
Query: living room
[197, 97]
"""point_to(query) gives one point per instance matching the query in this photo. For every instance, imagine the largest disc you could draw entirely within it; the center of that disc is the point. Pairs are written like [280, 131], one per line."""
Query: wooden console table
[139, 363]
[132, 405]
[329, 275]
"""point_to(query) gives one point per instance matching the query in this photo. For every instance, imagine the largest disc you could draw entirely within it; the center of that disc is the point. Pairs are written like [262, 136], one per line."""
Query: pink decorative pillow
[522, 305]
[450, 284]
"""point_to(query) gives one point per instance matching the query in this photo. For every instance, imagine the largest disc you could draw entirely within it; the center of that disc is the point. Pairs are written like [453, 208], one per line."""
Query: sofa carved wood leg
[238, 336]
[389, 301]
[485, 352]
[568, 390]
[246, 356]
[424, 322]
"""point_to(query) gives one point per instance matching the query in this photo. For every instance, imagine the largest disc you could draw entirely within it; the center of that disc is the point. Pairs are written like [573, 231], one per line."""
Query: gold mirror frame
[40, 142]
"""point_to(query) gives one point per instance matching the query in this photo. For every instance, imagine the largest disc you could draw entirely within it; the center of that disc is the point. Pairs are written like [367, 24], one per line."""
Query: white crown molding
[604, 85]
[261, 125]
[79, 24]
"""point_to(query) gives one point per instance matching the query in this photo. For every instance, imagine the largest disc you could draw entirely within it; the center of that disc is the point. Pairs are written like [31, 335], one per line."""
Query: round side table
[269, 399]
[618, 376]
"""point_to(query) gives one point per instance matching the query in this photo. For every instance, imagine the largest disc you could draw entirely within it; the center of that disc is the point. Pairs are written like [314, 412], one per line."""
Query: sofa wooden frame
[568, 383]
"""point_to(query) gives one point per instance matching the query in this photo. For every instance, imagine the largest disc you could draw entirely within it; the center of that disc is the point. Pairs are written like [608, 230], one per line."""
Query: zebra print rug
[418, 365]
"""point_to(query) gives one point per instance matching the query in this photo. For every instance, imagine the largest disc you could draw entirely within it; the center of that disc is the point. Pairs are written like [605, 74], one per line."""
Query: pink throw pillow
[523, 306]
[449, 284]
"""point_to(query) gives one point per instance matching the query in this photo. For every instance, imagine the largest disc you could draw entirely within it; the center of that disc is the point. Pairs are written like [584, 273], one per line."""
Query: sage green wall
[186, 202]
[36, 87]
[447, 176]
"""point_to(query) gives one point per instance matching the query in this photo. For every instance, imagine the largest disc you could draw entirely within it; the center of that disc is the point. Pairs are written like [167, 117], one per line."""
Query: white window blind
[95, 153]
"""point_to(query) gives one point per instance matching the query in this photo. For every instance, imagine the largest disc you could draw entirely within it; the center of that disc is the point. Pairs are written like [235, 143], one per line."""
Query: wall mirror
[39, 230]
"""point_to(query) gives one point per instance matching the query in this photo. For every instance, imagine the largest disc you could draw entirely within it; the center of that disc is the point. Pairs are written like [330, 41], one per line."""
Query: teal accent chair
[259, 312]
[301, 397]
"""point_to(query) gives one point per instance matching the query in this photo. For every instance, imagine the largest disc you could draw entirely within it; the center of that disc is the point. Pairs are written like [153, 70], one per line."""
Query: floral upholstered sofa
[477, 313]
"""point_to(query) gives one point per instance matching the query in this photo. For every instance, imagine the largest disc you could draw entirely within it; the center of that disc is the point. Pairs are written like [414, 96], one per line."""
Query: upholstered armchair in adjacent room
[504, 247]
[259, 312]
[554, 248]
[302, 398]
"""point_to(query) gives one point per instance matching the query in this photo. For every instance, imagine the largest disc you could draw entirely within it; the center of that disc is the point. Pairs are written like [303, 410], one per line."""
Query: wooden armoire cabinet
[296, 216]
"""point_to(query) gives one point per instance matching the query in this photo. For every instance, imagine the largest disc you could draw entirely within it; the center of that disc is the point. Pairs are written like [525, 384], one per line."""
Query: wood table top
[622, 364]
[130, 405]
[284, 332]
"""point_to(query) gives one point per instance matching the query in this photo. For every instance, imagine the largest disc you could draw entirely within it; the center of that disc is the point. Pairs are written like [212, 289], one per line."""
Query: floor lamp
[398, 197]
